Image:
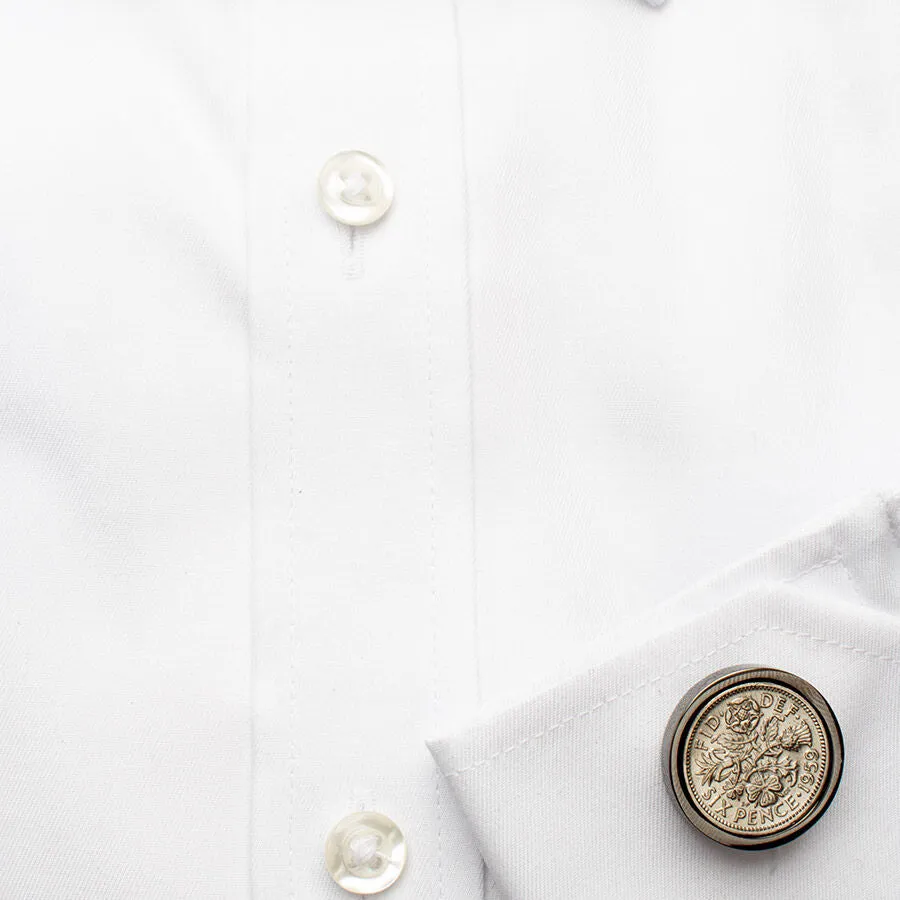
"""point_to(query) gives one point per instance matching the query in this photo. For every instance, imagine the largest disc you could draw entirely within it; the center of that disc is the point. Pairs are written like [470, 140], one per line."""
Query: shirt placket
[363, 610]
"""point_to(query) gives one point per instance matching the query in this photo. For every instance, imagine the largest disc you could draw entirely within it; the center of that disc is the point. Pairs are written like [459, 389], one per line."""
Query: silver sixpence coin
[753, 756]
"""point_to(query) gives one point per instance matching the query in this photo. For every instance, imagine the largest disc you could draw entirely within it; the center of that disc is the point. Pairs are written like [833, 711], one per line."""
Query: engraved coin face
[754, 756]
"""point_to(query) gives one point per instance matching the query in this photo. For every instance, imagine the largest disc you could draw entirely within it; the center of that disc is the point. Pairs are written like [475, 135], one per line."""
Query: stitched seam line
[455, 773]
[605, 702]
[823, 564]
[432, 574]
[432, 528]
[291, 569]
[470, 333]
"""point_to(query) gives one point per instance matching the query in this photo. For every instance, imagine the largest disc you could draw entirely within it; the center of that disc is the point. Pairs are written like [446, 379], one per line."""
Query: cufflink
[753, 756]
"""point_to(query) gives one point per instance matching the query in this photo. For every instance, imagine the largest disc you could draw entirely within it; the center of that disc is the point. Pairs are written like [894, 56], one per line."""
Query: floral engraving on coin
[756, 758]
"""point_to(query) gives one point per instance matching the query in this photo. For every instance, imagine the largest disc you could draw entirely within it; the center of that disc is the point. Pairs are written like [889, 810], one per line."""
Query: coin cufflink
[753, 756]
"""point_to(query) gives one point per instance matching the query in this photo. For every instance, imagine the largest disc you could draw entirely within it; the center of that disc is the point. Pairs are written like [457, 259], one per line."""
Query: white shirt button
[365, 853]
[355, 188]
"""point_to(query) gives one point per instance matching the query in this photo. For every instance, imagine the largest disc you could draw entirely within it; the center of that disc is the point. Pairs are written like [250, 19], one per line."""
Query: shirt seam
[800, 635]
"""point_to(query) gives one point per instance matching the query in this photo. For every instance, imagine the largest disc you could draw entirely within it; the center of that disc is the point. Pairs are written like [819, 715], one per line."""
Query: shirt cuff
[565, 793]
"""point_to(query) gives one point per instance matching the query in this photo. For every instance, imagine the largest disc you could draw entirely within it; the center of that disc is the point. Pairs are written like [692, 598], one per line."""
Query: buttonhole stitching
[354, 245]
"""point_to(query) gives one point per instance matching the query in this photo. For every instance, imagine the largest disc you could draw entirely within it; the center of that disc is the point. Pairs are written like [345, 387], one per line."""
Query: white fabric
[684, 272]
[283, 498]
[566, 792]
[125, 632]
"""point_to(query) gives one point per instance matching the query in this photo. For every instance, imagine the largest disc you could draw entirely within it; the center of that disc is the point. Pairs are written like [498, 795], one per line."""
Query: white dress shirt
[304, 519]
